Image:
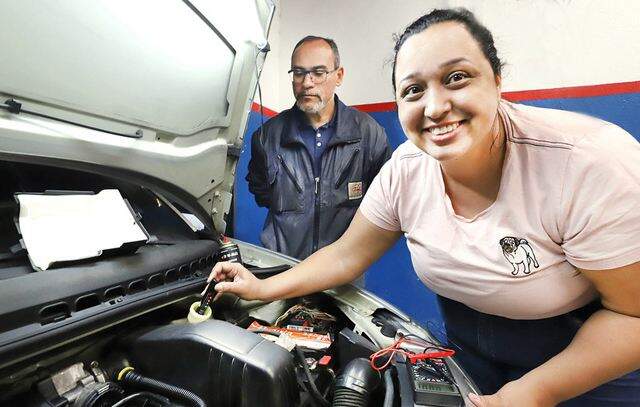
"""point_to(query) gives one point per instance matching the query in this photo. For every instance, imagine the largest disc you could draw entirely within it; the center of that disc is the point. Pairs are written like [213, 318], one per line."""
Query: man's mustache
[309, 94]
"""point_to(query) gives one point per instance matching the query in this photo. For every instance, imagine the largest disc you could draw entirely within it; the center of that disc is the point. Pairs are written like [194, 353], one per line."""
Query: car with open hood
[121, 124]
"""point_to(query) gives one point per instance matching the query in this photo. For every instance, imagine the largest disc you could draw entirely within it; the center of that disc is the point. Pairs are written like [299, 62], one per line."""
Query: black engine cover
[222, 363]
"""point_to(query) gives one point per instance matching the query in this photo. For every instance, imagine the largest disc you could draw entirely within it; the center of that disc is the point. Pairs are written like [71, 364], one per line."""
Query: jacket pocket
[349, 185]
[287, 191]
[347, 168]
[289, 173]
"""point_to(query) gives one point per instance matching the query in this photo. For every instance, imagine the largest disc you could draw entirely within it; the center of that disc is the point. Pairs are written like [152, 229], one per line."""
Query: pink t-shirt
[569, 197]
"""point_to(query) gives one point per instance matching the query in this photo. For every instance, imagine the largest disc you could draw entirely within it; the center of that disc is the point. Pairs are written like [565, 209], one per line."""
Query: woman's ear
[499, 84]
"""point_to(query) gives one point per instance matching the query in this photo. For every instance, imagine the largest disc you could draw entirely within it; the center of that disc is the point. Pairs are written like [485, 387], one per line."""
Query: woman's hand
[515, 393]
[339, 263]
[236, 279]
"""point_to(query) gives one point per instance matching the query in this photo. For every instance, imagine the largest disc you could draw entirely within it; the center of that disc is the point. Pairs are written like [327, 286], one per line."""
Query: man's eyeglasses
[317, 75]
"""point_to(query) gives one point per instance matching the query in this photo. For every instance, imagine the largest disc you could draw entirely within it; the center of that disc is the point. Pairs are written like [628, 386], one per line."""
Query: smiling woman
[510, 174]
[503, 207]
[447, 96]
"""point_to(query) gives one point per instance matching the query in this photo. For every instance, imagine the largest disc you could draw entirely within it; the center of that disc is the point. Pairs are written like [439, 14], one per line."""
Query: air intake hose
[128, 376]
[355, 384]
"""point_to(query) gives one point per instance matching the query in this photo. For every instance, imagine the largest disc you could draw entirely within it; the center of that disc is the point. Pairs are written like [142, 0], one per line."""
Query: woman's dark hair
[460, 15]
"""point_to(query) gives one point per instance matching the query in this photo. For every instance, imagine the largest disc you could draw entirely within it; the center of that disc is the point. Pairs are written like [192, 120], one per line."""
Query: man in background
[311, 164]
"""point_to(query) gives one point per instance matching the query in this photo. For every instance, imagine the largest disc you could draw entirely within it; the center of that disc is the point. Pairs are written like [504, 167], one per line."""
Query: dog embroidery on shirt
[519, 253]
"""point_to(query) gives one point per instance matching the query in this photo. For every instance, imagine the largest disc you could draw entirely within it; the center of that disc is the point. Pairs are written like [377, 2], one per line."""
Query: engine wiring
[430, 351]
[312, 315]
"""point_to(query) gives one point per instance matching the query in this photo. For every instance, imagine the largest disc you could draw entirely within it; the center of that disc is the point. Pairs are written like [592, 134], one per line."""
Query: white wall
[546, 43]
[270, 78]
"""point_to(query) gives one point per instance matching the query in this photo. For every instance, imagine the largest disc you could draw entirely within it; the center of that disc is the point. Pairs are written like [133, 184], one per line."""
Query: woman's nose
[437, 104]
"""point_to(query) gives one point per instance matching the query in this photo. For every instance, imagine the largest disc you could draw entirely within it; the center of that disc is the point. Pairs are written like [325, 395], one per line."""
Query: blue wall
[392, 277]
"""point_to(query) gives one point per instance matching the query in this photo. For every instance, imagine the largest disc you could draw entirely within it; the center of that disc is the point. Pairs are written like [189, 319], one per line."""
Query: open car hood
[157, 93]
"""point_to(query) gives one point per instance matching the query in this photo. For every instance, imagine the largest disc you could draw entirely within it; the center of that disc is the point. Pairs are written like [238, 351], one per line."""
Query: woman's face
[446, 91]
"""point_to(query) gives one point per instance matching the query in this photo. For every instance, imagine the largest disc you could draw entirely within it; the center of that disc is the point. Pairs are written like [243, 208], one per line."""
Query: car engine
[218, 362]
[113, 330]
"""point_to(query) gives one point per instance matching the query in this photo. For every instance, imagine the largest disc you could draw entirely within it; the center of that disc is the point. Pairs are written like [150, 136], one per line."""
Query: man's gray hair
[332, 44]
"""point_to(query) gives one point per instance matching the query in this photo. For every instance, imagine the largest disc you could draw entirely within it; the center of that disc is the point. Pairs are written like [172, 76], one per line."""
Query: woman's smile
[445, 133]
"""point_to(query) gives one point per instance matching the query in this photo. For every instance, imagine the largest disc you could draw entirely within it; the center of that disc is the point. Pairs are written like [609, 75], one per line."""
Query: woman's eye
[411, 91]
[457, 77]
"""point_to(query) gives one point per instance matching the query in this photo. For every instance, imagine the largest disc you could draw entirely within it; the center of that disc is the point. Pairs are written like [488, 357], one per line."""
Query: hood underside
[154, 92]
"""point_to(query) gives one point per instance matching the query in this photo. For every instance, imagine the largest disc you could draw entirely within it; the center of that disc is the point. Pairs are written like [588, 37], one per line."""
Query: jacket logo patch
[519, 253]
[355, 190]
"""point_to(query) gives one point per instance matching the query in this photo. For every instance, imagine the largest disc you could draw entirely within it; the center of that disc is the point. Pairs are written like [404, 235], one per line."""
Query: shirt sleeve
[600, 207]
[377, 205]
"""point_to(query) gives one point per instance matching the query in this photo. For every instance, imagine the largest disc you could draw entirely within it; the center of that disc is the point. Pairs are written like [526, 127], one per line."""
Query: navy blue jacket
[307, 212]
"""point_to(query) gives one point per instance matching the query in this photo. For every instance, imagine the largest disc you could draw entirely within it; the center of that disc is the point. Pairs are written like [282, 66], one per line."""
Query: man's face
[311, 97]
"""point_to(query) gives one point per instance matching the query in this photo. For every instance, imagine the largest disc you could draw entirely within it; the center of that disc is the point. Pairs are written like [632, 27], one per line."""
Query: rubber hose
[355, 384]
[348, 398]
[133, 378]
[388, 389]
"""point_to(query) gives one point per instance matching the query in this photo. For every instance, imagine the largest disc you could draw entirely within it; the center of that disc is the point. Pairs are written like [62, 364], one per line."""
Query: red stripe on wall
[574, 92]
[377, 107]
[517, 96]
[267, 112]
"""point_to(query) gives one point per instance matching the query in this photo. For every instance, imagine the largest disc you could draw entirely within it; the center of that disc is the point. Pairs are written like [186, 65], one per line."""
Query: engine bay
[240, 357]
[114, 330]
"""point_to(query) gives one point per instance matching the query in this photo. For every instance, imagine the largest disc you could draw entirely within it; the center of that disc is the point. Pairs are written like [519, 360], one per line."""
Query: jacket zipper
[316, 207]
[290, 174]
[316, 216]
[345, 172]
[318, 190]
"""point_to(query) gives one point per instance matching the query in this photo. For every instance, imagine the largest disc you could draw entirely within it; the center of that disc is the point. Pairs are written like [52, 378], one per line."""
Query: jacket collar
[345, 129]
